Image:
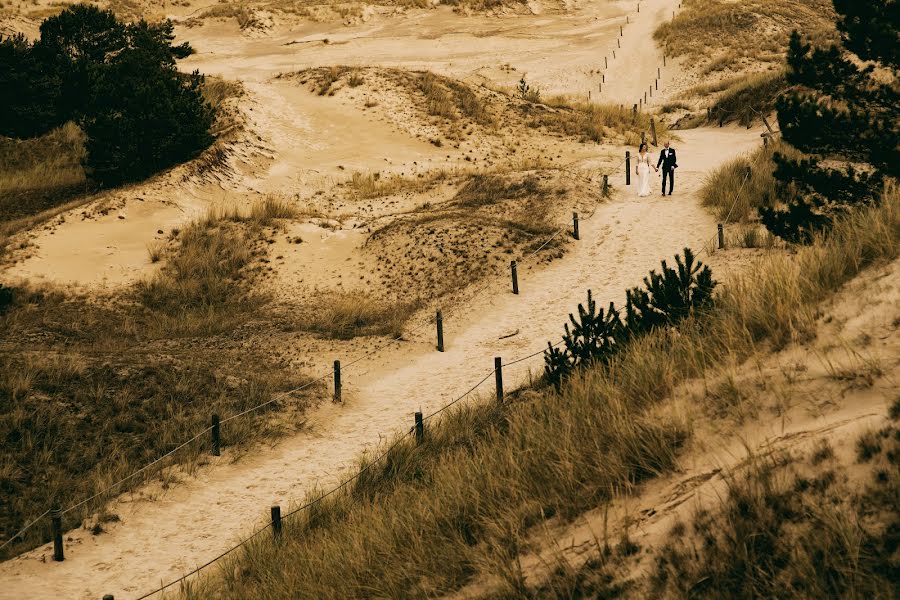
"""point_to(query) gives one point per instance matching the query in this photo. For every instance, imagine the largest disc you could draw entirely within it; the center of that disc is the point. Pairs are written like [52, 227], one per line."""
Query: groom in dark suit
[669, 164]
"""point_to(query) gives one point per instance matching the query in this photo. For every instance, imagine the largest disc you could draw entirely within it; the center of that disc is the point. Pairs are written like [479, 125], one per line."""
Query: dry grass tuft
[735, 197]
[749, 98]
[792, 530]
[202, 288]
[40, 173]
[592, 122]
[344, 316]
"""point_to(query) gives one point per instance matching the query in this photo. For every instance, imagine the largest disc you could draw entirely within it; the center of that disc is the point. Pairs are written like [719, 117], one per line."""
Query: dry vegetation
[40, 173]
[427, 519]
[737, 51]
[203, 288]
[750, 35]
[793, 528]
[92, 390]
[733, 195]
[344, 316]
[492, 220]
[589, 122]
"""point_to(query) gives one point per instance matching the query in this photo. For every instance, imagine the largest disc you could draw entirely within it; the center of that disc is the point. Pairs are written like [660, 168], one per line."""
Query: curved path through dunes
[199, 518]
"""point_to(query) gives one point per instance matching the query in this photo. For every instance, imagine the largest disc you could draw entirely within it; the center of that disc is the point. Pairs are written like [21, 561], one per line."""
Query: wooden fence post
[664, 60]
[420, 429]
[439, 319]
[575, 225]
[498, 377]
[276, 522]
[56, 527]
[627, 167]
[216, 436]
[634, 112]
[337, 381]
[658, 73]
[653, 131]
[721, 237]
[515, 277]
[605, 186]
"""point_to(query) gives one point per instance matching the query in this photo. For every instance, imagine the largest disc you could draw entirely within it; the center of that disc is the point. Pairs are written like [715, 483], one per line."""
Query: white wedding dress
[643, 169]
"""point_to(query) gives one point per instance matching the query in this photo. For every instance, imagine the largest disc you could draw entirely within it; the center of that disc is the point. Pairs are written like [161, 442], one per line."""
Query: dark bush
[596, 336]
[117, 81]
[30, 87]
[838, 111]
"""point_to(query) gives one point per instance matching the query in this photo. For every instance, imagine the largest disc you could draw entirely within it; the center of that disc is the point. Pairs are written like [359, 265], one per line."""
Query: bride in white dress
[643, 171]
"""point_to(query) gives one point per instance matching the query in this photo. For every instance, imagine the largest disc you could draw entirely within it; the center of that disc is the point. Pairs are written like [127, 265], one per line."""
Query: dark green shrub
[30, 86]
[596, 336]
[117, 81]
[838, 110]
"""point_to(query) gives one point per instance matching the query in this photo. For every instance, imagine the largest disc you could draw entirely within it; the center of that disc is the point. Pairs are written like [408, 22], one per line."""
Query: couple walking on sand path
[668, 162]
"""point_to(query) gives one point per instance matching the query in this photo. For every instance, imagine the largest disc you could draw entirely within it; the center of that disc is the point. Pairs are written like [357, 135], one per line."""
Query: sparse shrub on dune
[752, 31]
[666, 299]
[592, 122]
[201, 288]
[736, 190]
[790, 528]
[344, 316]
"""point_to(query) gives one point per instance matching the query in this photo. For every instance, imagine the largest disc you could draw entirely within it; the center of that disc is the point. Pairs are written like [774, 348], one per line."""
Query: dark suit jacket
[668, 162]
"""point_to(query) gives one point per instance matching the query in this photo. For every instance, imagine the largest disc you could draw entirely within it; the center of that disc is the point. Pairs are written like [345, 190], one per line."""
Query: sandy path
[160, 540]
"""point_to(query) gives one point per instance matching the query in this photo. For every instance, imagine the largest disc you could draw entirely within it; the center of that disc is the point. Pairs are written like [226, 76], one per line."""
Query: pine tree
[30, 89]
[837, 111]
[144, 114]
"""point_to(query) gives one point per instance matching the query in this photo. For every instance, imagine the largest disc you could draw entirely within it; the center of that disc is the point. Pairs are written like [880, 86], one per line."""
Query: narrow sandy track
[196, 520]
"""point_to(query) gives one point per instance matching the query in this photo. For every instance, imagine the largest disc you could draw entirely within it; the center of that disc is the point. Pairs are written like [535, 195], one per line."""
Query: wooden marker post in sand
[605, 186]
[619, 43]
[664, 60]
[276, 522]
[420, 429]
[215, 432]
[56, 529]
[337, 381]
[627, 167]
[515, 277]
[605, 63]
[498, 377]
[653, 131]
[721, 237]
[439, 320]
[634, 113]
[575, 225]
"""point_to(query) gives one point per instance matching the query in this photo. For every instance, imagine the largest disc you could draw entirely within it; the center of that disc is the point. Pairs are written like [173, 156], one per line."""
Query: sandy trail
[196, 520]
[160, 540]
